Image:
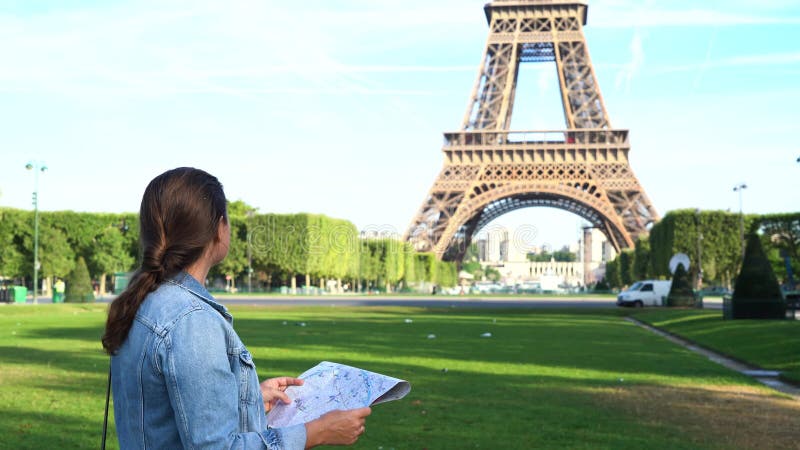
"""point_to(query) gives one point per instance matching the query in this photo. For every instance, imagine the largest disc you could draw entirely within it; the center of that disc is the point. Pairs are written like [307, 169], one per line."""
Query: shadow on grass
[463, 409]
[612, 346]
[74, 361]
[36, 430]
[74, 333]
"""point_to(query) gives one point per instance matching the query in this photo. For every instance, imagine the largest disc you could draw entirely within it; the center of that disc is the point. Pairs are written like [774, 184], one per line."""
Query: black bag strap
[105, 419]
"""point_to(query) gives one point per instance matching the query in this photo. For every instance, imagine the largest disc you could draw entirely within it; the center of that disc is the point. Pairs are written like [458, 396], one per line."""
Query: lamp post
[249, 252]
[36, 166]
[739, 188]
[699, 249]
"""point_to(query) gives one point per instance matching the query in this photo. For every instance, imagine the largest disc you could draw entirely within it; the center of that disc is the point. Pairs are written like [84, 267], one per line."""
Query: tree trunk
[294, 285]
[102, 284]
[46, 283]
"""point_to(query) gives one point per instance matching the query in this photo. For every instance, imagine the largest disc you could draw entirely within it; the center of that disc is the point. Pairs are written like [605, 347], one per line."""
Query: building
[508, 253]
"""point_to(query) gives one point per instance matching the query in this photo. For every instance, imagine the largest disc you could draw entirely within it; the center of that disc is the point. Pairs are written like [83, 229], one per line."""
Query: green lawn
[545, 379]
[771, 344]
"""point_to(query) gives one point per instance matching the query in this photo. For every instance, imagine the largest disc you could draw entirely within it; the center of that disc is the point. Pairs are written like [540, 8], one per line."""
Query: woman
[181, 376]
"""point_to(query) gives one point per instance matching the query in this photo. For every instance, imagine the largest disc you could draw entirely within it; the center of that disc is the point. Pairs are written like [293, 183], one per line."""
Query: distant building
[509, 254]
[380, 233]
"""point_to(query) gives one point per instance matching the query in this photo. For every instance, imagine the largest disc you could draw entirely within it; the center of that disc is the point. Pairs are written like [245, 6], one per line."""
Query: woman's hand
[273, 390]
[337, 427]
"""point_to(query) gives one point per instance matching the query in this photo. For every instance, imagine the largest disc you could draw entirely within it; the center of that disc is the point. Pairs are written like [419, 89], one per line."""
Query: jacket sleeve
[204, 393]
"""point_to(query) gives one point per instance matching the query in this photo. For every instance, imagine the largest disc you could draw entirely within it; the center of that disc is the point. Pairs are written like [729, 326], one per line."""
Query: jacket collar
[187, 282]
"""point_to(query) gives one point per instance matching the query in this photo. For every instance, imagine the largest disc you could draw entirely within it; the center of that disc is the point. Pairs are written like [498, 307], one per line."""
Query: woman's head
[183, 217]
[180, 217]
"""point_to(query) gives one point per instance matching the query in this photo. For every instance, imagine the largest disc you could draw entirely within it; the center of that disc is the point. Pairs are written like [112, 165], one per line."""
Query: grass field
[771, 344]
[545, 379]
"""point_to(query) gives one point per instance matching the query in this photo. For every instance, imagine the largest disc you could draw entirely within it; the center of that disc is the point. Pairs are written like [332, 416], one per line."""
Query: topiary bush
[79, 284]
[601, 286]
[680, 293]
[757, 294]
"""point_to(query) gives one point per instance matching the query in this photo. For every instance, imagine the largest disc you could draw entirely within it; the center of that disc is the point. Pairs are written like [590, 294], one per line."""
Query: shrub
[601, 286]
[757, 294]
[680, 293]
[79, 284]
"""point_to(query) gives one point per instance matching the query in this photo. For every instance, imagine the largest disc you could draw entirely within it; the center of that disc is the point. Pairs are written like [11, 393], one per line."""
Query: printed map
[329, 386]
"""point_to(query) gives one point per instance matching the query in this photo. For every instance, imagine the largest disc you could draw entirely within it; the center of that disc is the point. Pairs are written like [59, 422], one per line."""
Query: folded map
[329, 386]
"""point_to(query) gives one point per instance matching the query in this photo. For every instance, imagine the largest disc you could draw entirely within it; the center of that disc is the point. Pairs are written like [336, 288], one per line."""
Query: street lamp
[250, 214]
[739, 188]
[699, 249]
[36, 166]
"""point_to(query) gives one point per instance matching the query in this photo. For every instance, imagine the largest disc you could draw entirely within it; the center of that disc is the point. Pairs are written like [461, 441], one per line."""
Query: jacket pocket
[249, 389]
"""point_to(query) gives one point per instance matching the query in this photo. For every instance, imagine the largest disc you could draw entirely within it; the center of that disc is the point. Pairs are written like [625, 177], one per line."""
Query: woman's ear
[223, 230]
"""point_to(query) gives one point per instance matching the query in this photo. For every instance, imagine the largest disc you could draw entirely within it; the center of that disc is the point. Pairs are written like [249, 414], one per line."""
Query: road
[443, 301]
[425, 302]
[436, 302]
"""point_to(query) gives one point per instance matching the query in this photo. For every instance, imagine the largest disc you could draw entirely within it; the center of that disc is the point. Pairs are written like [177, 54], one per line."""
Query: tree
[625, 259]
[757, 294]
[612, 273]
[601, 286]
[13, 255]
[781, 242]
[240, 209]
[678, 232]
[236, 261]
[446, 274]
[680, 292]
[55, 252]
[641, 260]
[110, 254]
[563, 255]
[492, 274]
[79, 284]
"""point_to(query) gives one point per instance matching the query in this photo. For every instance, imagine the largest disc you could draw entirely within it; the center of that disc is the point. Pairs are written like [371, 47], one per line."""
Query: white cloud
[633, 67]
[698, 78]
[237, 48]
[693, 17]
[775, 59]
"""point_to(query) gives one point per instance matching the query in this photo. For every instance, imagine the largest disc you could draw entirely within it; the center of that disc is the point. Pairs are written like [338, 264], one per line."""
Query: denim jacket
[184, 379]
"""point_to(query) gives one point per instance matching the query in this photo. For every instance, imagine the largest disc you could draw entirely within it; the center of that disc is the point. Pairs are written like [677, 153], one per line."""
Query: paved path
[426, 302]
[767, 377]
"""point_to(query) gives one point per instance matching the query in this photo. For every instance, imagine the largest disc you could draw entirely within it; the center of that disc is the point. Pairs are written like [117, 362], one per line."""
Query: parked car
[715, 291]
[645, 293]
[792, 299]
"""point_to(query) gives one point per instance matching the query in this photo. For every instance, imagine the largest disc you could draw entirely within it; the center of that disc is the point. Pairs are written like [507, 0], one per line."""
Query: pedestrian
[180, 375]
[58, 290]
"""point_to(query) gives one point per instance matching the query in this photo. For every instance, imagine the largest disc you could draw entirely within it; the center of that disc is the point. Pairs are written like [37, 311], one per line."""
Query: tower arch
[487, 206]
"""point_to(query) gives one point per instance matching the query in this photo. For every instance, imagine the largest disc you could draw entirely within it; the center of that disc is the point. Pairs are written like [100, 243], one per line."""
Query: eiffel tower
[490, 170]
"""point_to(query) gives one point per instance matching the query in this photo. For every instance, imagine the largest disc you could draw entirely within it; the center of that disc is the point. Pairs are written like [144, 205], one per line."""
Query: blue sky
[338, 107]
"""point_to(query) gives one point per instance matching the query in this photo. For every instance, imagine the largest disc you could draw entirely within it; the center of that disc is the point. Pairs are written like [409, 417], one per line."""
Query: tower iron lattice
[490, 170]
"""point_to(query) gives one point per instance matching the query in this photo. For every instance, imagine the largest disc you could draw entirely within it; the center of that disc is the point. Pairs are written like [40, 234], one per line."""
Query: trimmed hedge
[282, 247]
[680, 292]
[721, 247]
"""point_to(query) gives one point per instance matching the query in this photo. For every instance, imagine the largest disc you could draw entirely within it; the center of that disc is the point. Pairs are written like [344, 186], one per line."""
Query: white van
[645, 293]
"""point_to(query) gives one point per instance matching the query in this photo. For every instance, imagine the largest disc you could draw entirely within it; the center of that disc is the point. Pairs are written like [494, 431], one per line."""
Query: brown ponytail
[178, 219]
